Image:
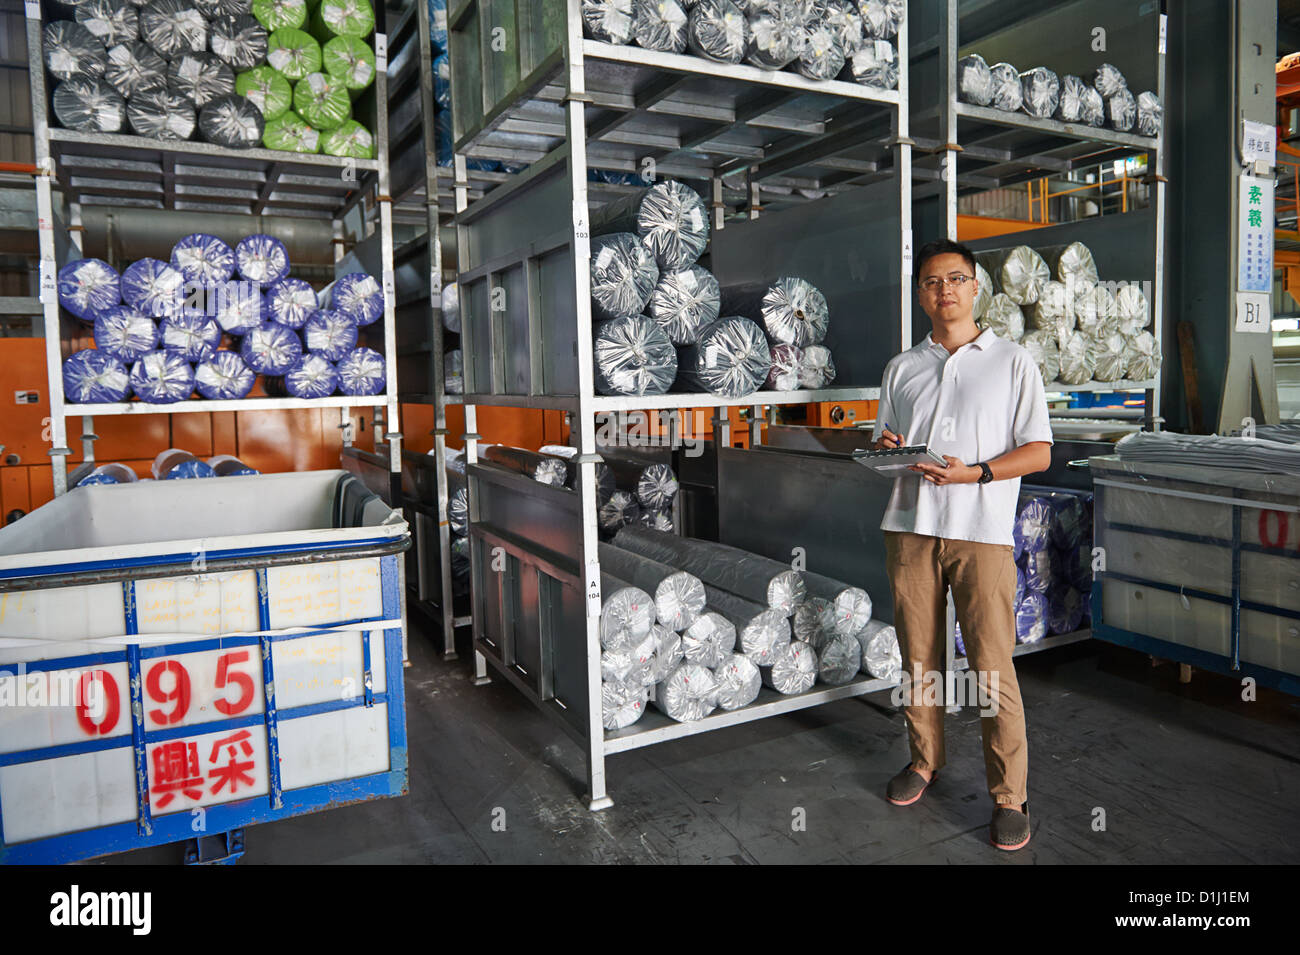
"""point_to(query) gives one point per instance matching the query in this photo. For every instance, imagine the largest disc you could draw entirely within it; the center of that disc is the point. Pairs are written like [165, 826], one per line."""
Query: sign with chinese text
[1255, 235]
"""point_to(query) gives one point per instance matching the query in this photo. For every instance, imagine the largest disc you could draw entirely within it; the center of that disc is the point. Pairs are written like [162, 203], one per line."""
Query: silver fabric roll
[72, 51]
[777, 33]
[1108, 80]
[709, 640]
[1077, 359]
[814, 622]
[542, 468]
[839, 662]
[110, 21]
[758, 628]
[622, 704]
[731, 359]
[200, 78]
[1005, 318]
[88, 105]
[875, 64]
[173, 27]
[1093, 307]
[1145, 360]
[634, 662]
[608, 20]
[1150, 114]
[657, 520]
[787, 362]
[1007, 94]
[135, 68]
[1023, 275]
[843, 17]
[1052, 312]
[881, 18]
[1071, 264]
[816, 367]
[974, 81]
[1045, 352]
[738, 680]
[232, 121]
[684, 302]
[717, 30]
[1121, 111]
[984, 294]
[626, 614]
[881, 656]
[1131, 309]
[1040, 92]
[620, 510]
[669, 218]
[633, 356]
[823, 52]
[678, 596]
[1093, 108]
[623, 275]
[736, 571]
[668, 651]
[1080, 103]
[453, 372]
[659, 25]
[688, 693]
[850, 606]
[793, 669]
[240, 41]
[657, 487]
[791, 310]
[451, 307]
[1111, 355]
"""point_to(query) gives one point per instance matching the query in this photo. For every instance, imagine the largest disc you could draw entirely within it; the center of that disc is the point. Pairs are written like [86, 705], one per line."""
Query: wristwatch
[987, 474]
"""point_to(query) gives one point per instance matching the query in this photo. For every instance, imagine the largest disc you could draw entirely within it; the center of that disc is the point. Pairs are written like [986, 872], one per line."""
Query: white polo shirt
[978, 403]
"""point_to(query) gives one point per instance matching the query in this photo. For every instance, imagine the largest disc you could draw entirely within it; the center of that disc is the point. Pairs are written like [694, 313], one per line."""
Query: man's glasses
[934, 283]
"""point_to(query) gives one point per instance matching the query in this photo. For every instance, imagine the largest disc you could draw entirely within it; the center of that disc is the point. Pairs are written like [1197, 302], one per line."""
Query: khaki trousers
[983, 582]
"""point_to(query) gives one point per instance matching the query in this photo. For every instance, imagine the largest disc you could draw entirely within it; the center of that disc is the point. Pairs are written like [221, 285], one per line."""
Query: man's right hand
[888, 439]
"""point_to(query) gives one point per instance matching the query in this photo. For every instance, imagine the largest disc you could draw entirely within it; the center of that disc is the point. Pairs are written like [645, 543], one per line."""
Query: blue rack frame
[145, 830]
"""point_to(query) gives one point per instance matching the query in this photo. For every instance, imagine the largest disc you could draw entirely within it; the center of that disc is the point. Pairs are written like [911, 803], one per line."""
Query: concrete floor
[1185, 774]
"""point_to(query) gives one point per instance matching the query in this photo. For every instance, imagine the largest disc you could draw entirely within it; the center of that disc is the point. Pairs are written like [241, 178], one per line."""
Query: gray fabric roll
[1007, 93]
[688, 693]
[668, 651]
[793, 669]
[109, 21]
[1079, 103]
[678, 596]
[823, 52]
[669, 218]
[451, 307]
[1040, 92]
[1145, 360]
[622, 704]
[72, 51]
[626, 613]
[1150, 114]
[173, 27]
[791, 310]
[1121, 111]
[1071, 264]
[875, 64]
[1043, 349]
[620, 510]
[840, 661]
[850, 606]
[232, 121]
[657, 487]
[736, 571]
[161, 114]
[814, 622]
[717, 30]
[816, 367]
[881, 656]
[1111, 356]
[457, 497]
[657, 520]
[633, 356]
[1052, 312]
[777, 33]
[453, 372]
[89, 106]
[623, 276]
[1005, 318]
[1107, 80]
[608, 20]
[731, 359]
[200, 78]
[633, 662]
[684, 302]
[135, 68]
[239, 42]
[758, 628]
[787, 363]
[542, 468]
[1023, 275]
[974, 81]
[1077, 359]
[1131, 309]
[881, 18]
[738, 680]
[1093, 307]
[709, 640]
[659, 25]
[985, 292]
[843, 17]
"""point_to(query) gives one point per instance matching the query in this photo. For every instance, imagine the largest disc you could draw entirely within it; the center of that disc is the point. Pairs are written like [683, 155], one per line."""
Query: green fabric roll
[294, 53]
[280, 14]
[322, 100]
[343, 18]
[267, 89]
[351, 60]
[351, 139]
[292, 133]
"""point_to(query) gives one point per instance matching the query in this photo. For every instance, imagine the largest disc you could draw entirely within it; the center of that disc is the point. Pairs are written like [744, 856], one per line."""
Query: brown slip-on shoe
[908, 786]
[1009, 830]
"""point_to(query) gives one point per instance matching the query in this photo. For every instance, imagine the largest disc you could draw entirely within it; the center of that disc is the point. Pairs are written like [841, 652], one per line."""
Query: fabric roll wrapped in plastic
[875, 64]
[823, 53]
[1005, 318]
[362, 373]
[290, 302]
[730, 360]
[974, 80]
[758, 628]
[460, 565]
[609, 21]
[1020, 586]
[162, 377]
[1111, 355]
[457, 496]
[1070, 525]
[1064, 609]
[840, 661]
[349, 60]
[87, 286]
[133, 68]
[1040, 92]
[850, 606]
[843, 17]
[191, 335]
[709, 640]
[791, 310]
[271, 349]
[280, 14]
[453, 372]
[787, 361]
[1008, 94]
[224, 377]
[634, 662]
[679, 597]
[1131, 309]
[267, 89]
[173, 28]
[659, 25]
[793, 669]
[110, 21]
[1051, 312]
[312, 376]
[293, 53]
[190, 470]
[739, 681]
[688, 693]
[153, 287]
[541, 468]
[1150, 114]
[881, 18]
[1040, 569]
[717, 30]
[1121, 111]
[262, 259]
[239, 307]
[89, 106]
[1023, 275]
[620, 510]
[322, 101]
[816, 367]
[656, 520]
[1144, 362]
[814, 622]
[95, 377]
[622, 704]
[1093, 307]
[203, 259]
[881, 656]
[1108, 80]
[358, 296]
[984, 294]
[669, 218]
[668, 651]
[1078, 564]
[240, 42]
[222, 8]
[1077, 359]
[125, 333]
[343, 18]
[657, 487]
[72, 51]
[1071, 264]
[1032, 529]
[777, 33]
[736, 571]
[626, 614]
[959, 645]
[623, 275]
[291, 134]
[1079, 102]
[683, 302]
[1031, 618]
[350, 140]
[232, 121]
[161, 114]
[633, 356]
[451, 307]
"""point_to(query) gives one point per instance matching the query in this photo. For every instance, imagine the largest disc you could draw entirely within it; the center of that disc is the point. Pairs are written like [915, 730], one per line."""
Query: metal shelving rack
[116, 171]
[564, 105]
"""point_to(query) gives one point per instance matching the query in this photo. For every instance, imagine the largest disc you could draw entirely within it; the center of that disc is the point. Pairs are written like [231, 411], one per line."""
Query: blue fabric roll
[314, 376]
[224, 377]
[93, 478]
[240, 307]
[362, 372]
[262, 259]
[87, 286]
[330, 334]
[193, 468]
[1032, 526]
[961, 644]
[154, 288]
[191, 336]
[1064, 609]
[438, 24]
[1070, 525]
[442, 82]
[1020, 584]
[162, 377]
[125, 333]
[92, 377]
[358, 296]
[271, 349]
[1040, 569]
[291, 302]
[1077, 566]
[203, 259]
[1031, 618]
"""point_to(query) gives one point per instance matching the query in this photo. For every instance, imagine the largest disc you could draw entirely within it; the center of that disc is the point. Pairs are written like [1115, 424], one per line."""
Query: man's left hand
[954, 473]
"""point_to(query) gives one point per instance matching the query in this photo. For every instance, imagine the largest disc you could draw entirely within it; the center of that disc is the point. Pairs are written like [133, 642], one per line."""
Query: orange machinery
[1286, 254]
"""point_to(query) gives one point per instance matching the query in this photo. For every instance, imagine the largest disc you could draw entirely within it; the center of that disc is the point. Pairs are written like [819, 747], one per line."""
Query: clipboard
[889, 460]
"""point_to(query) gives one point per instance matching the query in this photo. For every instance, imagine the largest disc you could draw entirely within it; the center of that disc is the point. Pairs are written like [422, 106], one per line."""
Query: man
[978, 400]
